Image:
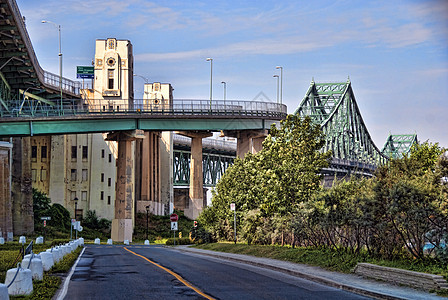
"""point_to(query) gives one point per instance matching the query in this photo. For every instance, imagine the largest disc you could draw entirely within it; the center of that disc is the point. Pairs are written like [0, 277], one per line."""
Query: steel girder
[333, 106]
[399, 144]
[213, 167]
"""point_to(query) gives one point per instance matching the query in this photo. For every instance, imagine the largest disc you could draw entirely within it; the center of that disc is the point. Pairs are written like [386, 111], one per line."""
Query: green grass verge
[340, 261]
[46, 288]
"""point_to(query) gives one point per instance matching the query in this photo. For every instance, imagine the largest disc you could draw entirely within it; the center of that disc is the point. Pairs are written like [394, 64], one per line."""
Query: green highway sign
[84, 72]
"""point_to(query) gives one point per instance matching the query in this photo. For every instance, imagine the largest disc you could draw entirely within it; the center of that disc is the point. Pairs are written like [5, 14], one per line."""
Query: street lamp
[142, 77]
[147, 220]
[60, 55]
[281, 83]
[225, 87]
[277, 85]
[211, 80]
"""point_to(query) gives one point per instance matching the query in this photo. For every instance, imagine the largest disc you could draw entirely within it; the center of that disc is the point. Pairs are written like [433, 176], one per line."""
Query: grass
[340, 261]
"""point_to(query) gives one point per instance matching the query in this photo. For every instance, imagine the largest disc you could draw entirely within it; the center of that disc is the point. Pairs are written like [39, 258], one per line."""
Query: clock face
[111, 61]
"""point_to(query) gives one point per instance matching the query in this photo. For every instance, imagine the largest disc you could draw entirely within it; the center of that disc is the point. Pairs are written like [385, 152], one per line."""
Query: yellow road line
[178, 277]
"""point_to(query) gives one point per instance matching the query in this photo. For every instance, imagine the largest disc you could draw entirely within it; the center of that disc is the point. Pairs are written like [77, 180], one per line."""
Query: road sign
[45, 223]
[173, 225]
[84, 72]
[232, 206]
[174, 218]
[195, 224]
[45, 218]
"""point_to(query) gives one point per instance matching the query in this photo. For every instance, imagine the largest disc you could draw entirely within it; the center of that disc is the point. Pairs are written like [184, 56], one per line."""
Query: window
[72, 195]
[84, 152]
[102, 177]
[43, 153]
[102, 153]
[109, 181]
[102, 195]
[73, 174]
[74, 153]
[110, 76]
[84, 195]
[84, 175]
[43, 174]
[33, 175]
[110, 157]
[33, 153]
[108, 200]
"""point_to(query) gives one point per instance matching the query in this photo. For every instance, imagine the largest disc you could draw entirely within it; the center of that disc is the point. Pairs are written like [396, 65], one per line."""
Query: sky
[394, 52]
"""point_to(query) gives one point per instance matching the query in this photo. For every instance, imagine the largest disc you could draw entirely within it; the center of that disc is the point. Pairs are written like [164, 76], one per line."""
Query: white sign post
[174, 228]
[232, 207]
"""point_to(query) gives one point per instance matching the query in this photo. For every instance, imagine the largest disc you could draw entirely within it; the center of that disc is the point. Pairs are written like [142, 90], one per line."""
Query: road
[155, 272]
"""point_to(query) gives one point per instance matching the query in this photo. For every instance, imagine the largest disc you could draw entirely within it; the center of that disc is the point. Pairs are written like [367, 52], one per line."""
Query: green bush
[181, 241]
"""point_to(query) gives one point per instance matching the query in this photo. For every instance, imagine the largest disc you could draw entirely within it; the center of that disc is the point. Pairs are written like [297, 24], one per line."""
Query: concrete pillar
[249, 141]
[6, 229]
[122, 224]
[22, 191]
[196, 194]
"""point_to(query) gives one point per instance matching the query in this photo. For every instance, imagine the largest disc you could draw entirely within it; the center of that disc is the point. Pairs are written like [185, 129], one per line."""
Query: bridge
[333, 106]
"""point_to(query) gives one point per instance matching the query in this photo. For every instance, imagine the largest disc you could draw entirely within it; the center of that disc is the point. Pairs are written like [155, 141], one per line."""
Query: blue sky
[395, 52]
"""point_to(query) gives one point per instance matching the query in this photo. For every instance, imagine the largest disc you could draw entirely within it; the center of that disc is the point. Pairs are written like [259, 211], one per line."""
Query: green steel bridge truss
[333, 106]
[213, 167]
[398, 145]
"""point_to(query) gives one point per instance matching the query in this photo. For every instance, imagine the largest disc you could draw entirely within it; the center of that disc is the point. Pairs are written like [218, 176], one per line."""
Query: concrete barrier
[35, 265]
[81, 241]
[47, 260]
[110, 242]
[97, 241]
[402, 277]
[2, 241]
[74, 246]
[3, 292]
[39, 240]
[146, 242]
[126, 242]
[22, 240]
[22, 284]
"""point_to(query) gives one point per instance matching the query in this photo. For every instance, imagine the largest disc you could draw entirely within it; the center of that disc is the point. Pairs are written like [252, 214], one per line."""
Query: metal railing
[46, 78]
[35, 108]
[206, 143]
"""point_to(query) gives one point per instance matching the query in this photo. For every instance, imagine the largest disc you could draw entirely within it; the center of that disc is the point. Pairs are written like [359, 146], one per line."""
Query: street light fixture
[60, 55]
[211, 80]
[225, 87]
[142, 77]
[277, 85]
[281, 83]
[147, 220]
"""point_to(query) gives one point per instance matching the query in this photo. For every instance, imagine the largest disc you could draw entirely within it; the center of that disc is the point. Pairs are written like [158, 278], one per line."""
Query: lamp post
[277, 85]
[211, 80]
[147, 221]
[225, 88]
[281, 83]
[142, 77]
[60, 55]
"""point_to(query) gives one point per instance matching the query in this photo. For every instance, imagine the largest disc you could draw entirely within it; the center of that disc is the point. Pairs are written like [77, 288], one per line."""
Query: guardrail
[35, 108]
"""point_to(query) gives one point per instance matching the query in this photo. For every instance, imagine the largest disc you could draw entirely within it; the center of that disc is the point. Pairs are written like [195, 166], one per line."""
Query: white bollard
[39, 240]
[97, 241]
[146, 242]
[22, 285]
[110, 242]
[37, 271]
[22, 240]
[2, 241]
[47, 260]
[4, 292]
[126, 242]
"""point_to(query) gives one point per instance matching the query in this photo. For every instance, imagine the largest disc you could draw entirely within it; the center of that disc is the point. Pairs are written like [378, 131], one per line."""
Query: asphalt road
[112, 272]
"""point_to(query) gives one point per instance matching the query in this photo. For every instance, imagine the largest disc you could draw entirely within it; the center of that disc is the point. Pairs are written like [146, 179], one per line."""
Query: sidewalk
[348, 282]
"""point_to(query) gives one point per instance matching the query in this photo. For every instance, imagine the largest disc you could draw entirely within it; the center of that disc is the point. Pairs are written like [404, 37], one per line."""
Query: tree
[285, 173]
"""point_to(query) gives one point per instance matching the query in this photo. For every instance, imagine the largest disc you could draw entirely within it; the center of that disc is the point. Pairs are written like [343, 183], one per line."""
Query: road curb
[314, 278]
